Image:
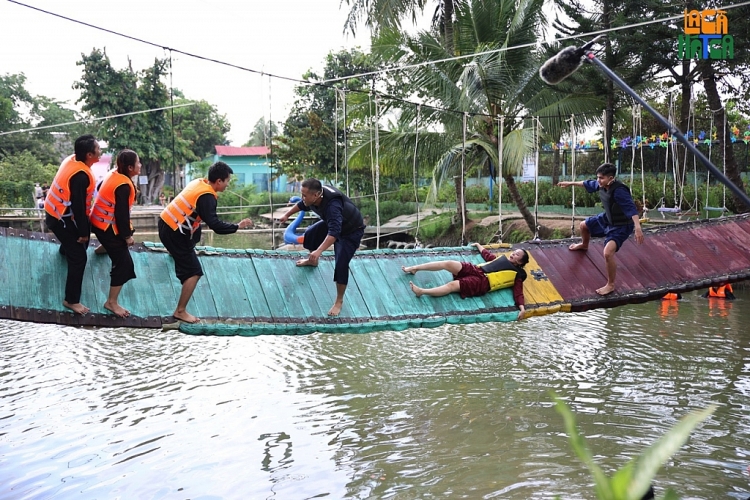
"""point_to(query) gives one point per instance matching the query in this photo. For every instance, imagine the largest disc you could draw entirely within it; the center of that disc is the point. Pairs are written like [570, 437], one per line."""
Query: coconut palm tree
[498, 77]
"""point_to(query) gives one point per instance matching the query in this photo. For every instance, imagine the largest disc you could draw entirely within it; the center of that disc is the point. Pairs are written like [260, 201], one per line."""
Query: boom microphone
[564, 64]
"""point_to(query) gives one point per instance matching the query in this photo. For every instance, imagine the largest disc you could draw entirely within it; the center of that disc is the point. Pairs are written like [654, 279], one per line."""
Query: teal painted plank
[269, 287]
[383, 299]
[299, 286]
[251, 285]
[225, 277]
[55, 272]
[202, 303]
[95, 285]
[158, 269]
[355, 305]
[5, 276]
[20, 272]
[49, 275]
[140, 295]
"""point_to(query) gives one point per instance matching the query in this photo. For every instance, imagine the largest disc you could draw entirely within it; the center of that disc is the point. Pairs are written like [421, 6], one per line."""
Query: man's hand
[638, 235]
[245, 223]
[313, 257]
[130, 241]
[83, 239]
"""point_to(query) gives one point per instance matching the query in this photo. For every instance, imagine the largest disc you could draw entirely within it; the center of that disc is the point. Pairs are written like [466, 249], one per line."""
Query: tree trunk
[544, 231]
[448, 22]
[684, 124]
[722, 132]
[556, 165]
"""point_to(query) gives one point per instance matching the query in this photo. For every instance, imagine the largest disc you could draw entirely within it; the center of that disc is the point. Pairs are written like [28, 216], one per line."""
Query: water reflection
[462, 411]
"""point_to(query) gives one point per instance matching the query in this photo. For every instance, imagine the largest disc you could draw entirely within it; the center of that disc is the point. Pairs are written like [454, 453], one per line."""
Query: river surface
[461, 411]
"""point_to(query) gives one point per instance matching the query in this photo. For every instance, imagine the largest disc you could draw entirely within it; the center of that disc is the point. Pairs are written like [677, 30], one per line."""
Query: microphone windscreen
[564, 64]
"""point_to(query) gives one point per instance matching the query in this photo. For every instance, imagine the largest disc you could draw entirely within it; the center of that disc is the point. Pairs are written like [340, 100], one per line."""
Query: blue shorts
[598, 226]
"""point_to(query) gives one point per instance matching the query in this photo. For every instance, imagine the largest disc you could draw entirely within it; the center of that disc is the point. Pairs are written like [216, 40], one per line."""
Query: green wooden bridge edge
[256, 329]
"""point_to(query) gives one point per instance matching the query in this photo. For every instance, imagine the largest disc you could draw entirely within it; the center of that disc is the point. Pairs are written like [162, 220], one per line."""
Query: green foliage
[20, 110]
[106, 91]
[24, 166]
[435, 226]
[17, 194]
[388, 209]
[313, 134]
[632, 481]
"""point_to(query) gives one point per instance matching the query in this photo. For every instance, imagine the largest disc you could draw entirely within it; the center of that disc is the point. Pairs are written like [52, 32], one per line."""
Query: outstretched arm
[288, 214]
[570, 183]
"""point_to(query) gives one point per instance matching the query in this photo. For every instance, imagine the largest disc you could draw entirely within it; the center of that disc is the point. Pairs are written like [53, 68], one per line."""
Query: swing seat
[716, 209]
[671, 210]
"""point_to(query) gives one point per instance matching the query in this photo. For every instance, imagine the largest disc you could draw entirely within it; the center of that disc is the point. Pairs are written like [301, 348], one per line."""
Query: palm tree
[495, 79]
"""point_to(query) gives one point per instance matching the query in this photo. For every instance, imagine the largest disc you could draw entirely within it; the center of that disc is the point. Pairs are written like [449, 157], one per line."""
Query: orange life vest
[58, 197]
[670, 296]
[103, 210]
[180, 213]
[720, 291]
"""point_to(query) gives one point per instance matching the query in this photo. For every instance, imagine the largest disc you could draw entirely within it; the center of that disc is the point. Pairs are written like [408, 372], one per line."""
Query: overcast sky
[280, 37]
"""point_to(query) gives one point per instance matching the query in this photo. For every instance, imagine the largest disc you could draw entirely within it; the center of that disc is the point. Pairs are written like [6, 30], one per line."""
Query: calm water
[454, 412]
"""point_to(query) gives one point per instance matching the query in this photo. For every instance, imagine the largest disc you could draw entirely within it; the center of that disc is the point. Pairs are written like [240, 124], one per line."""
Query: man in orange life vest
[180, 229]
[67, 205]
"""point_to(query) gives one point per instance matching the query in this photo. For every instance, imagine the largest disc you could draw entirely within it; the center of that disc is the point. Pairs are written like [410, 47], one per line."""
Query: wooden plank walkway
[252, 292]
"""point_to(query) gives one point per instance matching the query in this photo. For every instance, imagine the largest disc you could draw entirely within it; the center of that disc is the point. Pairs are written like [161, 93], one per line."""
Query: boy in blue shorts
[616, 223]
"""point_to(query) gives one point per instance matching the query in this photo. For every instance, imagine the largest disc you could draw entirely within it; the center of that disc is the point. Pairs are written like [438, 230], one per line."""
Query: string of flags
[652, 141]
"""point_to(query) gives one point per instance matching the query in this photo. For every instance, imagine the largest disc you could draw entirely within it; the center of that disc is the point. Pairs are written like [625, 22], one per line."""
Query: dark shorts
[598, 226]
[182, 250]
[472, 281]
[343, 249]
[123, 269]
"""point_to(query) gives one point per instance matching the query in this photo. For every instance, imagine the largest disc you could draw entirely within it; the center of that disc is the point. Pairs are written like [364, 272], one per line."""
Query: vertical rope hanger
[346, 152]
[416, 188]
[377, 168]
[171, 112]
[710, 147]
[462, 201]
[500, 133]
[573, 143]
[604, 135]
[336, 136]
[536, 177]
[673, 146]
[270, 160]
[724, 164]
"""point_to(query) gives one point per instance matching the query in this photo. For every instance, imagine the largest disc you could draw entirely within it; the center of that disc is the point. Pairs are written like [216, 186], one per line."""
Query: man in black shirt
[341, 225]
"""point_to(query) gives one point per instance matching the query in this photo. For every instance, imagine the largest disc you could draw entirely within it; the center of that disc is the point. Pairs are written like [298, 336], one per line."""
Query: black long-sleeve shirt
[122, 211]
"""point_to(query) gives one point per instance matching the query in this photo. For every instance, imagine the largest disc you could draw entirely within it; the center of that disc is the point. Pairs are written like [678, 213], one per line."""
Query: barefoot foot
[100, 250]
[414, 288]
[578, 246]
[606, 290]
[77, 308]
[409, 270]
[117, 310]
[336, 309]
[186, 317]
[305, 262]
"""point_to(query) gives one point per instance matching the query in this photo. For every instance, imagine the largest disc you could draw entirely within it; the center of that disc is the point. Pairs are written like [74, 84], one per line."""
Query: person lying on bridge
[472, 280]
[616, 223]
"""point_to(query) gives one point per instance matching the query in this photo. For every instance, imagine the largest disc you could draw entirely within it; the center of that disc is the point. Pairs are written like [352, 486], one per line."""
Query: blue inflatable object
[290, 233]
